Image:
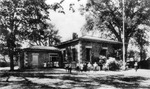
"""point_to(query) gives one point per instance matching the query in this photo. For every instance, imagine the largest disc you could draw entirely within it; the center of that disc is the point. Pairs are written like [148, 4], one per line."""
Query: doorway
[88, 54]
[53, 60]
[35, 59]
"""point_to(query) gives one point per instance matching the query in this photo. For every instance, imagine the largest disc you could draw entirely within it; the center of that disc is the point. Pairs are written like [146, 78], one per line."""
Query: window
[88, 54]
[103, 52]
[54, 57]
[54, 60]
[74, 53]
[64, 55]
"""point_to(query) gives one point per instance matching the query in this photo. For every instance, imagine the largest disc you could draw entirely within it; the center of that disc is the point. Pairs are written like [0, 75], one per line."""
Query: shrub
[112, 64]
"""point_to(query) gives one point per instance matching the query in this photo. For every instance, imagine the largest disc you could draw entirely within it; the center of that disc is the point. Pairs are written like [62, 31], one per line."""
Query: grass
[67, 81]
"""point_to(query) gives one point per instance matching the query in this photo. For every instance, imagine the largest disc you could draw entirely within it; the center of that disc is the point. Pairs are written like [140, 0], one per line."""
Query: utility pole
[123, 17]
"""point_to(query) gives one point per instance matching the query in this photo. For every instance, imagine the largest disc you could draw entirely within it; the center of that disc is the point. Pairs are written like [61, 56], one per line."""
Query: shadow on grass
[30, 85]
[71, 80]
[120, 81]
[2, 84]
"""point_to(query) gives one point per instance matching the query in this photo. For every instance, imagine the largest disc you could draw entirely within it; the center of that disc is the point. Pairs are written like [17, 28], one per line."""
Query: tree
[47, 37]
[22, 19]
[106, 16]
[141, 41]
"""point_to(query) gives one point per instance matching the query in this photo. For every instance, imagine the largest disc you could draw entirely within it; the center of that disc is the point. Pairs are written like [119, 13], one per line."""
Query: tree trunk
[141, 53]
[126, 48]
[11, 59]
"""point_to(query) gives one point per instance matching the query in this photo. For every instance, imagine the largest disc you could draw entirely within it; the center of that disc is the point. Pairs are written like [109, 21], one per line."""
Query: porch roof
[42, 48]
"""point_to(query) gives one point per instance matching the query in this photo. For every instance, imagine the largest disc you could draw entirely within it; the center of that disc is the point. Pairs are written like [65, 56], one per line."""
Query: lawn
[60, 79]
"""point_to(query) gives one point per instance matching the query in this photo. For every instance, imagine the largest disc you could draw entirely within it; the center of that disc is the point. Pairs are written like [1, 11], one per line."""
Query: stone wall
[96, 48]
[43, 57]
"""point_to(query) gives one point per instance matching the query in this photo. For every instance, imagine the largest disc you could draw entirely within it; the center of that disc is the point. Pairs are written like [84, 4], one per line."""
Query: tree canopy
[25, 20]
[106, 15]
[141, 40]
[47, 37]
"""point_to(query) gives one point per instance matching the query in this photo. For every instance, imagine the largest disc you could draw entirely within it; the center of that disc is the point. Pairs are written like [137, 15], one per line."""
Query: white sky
[69, 22]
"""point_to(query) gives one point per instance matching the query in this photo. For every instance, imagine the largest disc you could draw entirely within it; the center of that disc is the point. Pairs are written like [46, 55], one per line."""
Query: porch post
[79, 52]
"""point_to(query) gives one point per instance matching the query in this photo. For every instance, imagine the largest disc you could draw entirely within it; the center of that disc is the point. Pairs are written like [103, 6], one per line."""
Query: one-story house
[40, 57]
[87, 49]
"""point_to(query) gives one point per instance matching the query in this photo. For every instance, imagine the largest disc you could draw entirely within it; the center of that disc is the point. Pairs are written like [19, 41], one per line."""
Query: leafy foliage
[141, 37]
[47, 37]
[142, 41]
[25, 20]
[106, 16]
[20, 17]
[58, 7]
[112, 64]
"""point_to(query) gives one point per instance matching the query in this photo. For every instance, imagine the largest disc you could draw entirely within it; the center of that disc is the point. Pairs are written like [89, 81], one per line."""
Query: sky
[69, 22]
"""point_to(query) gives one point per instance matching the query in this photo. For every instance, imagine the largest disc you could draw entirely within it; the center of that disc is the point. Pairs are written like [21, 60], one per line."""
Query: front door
[35, 60]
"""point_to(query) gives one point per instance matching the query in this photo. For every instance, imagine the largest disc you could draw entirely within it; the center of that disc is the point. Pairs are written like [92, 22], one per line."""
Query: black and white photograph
[74, 44]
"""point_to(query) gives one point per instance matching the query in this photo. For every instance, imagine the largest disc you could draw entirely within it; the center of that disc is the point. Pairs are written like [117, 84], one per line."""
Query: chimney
[74, 36]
